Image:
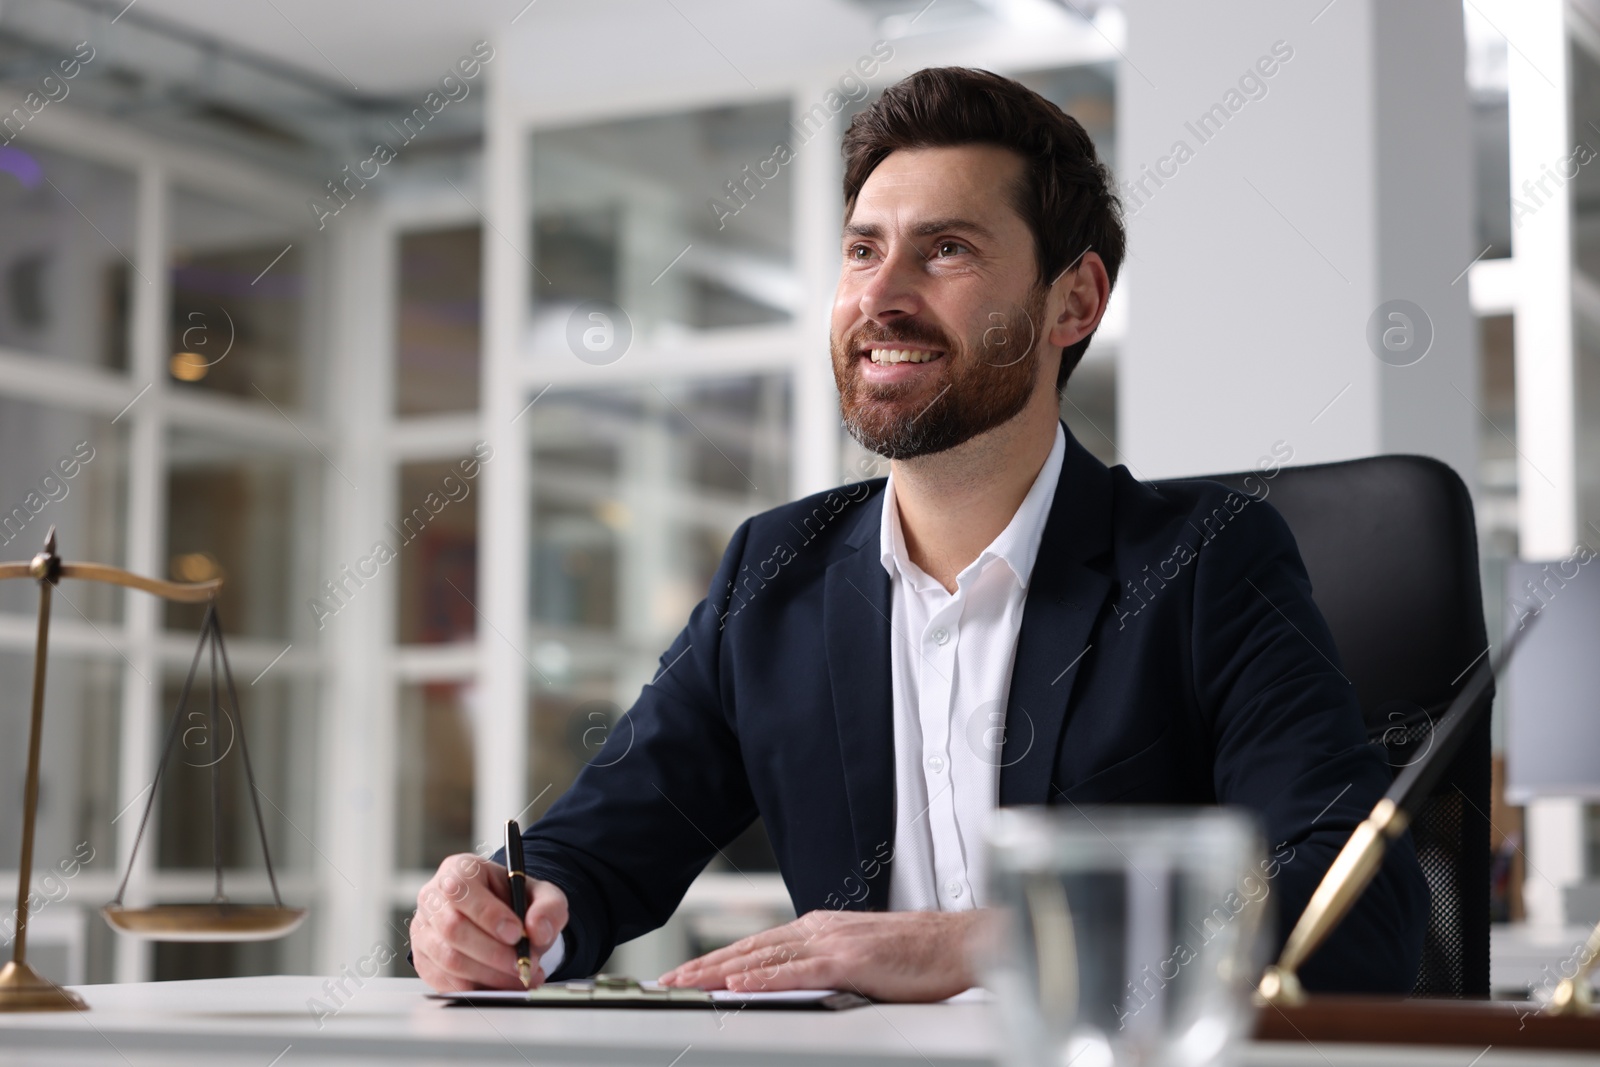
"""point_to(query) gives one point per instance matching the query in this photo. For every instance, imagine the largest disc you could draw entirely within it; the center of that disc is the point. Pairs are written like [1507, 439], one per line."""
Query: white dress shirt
[950, 657]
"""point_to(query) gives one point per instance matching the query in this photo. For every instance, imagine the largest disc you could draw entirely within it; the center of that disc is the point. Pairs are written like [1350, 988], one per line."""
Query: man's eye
[858, 252]
[951, 248]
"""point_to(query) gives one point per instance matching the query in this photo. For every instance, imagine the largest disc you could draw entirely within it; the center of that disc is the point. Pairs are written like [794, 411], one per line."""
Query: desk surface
[272, 1022]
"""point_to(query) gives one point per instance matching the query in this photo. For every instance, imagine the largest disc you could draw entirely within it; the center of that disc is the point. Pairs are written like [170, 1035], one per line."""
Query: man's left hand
[896, 956]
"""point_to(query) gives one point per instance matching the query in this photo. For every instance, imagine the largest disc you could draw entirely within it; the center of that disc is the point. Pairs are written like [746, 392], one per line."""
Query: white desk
[265, 1022]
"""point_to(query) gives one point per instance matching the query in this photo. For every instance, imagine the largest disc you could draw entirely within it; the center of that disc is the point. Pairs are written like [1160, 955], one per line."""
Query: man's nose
[894, 289]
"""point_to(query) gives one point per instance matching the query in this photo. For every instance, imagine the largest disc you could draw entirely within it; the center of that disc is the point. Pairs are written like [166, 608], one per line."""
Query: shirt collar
[1017, 544]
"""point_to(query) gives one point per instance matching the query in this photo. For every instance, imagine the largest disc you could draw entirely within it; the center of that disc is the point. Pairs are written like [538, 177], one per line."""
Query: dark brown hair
[1066, 195]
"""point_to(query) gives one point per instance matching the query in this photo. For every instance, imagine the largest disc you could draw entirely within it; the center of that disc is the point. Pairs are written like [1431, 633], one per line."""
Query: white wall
[1259, 261]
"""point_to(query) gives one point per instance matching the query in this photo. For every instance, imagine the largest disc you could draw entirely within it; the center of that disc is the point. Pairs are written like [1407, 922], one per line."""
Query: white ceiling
[379, 46]
[284, 80]
[390, 46]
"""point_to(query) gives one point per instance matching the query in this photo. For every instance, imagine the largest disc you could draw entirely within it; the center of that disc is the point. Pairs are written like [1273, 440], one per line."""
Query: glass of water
[1125, 936]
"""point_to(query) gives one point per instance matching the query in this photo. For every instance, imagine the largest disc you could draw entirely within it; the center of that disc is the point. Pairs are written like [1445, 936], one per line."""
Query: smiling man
[1003, 620]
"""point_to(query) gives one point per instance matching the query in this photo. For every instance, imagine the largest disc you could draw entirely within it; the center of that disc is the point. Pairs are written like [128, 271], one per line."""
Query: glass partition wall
[683, 220]
[656, 240]
[648, 438]
[156, 388]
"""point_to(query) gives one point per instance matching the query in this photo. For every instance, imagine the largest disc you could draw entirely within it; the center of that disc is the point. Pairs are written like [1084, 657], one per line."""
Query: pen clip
[514, 861]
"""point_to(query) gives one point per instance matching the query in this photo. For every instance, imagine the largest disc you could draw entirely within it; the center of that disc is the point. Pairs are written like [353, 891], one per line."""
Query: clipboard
[617, 991]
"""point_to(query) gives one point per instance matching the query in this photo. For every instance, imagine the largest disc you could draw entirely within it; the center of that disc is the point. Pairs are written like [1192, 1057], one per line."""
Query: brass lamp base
[24, 989]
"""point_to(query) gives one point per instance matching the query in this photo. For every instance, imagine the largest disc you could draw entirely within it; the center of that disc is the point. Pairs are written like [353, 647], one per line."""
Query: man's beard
[976, 388]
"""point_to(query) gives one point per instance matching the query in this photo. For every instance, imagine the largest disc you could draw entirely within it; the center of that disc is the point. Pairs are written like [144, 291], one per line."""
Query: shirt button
[954, 889]
[941, 636]
[936, 764]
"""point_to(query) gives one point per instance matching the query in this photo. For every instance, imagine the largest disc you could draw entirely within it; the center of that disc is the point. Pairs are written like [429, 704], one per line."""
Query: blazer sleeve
[1290, 744]
[665, 792]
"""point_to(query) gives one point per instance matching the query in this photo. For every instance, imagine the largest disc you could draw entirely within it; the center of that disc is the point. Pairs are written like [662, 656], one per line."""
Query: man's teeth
[902, 355]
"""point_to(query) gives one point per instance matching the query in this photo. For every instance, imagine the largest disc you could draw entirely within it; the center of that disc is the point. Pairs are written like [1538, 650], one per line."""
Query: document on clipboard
[614, 991]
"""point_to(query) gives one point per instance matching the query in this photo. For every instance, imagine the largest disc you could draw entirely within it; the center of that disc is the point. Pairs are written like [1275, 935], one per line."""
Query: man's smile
[902, 355]
[895, 361]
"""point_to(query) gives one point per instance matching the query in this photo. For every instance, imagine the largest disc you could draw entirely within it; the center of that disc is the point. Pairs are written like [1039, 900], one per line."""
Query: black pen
[519, 899]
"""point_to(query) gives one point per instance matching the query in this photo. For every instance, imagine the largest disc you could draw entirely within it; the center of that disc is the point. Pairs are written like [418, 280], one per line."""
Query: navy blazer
[1170, 653]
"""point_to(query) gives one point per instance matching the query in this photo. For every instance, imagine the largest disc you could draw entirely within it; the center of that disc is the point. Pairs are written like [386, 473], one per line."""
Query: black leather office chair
[1392, 550]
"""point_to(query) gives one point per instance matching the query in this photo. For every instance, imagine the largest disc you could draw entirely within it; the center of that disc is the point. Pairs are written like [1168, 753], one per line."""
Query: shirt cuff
[555, 956]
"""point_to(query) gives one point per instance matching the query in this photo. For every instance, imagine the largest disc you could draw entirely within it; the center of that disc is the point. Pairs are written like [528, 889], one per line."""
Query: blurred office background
[262, 349]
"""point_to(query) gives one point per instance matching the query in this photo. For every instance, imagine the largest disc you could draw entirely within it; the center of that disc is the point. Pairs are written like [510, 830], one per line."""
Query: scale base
[24, 989]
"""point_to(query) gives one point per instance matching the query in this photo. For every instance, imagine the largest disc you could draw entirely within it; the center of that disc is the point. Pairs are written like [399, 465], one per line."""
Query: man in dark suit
[1002, 621]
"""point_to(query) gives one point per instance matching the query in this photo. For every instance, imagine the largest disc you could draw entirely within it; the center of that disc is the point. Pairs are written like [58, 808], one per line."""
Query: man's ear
[1078, 296]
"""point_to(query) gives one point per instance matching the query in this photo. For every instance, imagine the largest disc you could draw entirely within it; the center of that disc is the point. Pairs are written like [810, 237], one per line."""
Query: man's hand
[905, 955]
[464, 934]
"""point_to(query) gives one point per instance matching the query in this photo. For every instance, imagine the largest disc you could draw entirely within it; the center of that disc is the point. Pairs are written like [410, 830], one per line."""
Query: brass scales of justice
[21, 987]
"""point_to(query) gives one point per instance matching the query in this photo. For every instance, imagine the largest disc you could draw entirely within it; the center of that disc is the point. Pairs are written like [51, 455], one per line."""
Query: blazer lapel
[1065, 595]
[855, 626]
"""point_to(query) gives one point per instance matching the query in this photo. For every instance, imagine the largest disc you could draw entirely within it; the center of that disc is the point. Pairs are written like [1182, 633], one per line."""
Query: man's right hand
[464, 934]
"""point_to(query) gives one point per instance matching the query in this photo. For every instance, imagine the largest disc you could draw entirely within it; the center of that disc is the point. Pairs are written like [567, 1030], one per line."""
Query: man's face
[938, 319]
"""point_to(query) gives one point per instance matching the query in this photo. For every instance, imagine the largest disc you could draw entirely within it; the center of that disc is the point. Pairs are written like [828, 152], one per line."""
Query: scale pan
[205, 922]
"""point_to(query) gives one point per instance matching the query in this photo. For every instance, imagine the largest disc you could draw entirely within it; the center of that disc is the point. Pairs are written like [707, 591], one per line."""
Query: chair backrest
[1392, 550]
